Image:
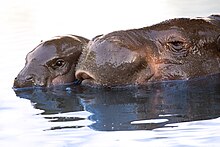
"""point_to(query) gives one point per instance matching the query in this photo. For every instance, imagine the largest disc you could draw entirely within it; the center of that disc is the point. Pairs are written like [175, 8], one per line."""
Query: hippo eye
[176, 45]
[58, 63]
[179, 48]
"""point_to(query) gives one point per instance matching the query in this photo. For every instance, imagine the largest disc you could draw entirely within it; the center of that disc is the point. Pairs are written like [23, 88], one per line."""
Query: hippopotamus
[175, 49]
[52, 62]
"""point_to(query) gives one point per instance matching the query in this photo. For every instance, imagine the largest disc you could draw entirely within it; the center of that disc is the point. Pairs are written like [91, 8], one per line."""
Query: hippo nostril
[82, 75]
[29, 78]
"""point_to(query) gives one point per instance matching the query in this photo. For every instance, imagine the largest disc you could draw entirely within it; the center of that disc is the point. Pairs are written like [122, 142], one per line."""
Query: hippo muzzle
[32, 76]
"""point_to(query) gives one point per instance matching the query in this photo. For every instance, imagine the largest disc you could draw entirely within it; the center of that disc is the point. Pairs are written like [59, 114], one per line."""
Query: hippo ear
[218, 43]
[215, 20]
[96, 37]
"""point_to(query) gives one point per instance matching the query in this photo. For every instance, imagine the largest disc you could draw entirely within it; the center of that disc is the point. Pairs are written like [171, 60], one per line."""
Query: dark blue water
[177, 113]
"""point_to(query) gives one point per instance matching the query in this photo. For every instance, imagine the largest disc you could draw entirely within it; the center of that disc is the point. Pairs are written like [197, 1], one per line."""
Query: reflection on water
[122, 109]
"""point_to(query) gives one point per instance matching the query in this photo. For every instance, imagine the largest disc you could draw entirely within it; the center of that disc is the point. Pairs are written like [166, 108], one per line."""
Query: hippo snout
[84, 77]
[24, 81]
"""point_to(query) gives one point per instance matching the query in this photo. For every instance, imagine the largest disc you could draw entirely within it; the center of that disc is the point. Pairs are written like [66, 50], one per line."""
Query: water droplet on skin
[68, 89]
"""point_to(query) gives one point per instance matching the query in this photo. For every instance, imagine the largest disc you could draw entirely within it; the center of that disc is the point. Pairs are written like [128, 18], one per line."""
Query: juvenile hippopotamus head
[177, 49]
[51, 63]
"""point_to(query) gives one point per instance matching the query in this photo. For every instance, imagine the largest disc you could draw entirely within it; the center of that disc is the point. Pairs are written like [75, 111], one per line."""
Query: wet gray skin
[176, 49]
[52, 62]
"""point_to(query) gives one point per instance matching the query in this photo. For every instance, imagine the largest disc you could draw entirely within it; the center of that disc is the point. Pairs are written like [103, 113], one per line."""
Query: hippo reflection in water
[177, 49]
[52, 62]
[116, 109]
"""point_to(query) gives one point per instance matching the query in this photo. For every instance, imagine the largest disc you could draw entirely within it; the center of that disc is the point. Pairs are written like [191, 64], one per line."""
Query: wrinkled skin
[177, 49]
[51, 63]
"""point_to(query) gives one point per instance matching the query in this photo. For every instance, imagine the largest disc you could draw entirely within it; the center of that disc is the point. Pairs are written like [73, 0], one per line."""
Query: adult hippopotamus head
[52, 62]
[176, 49]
